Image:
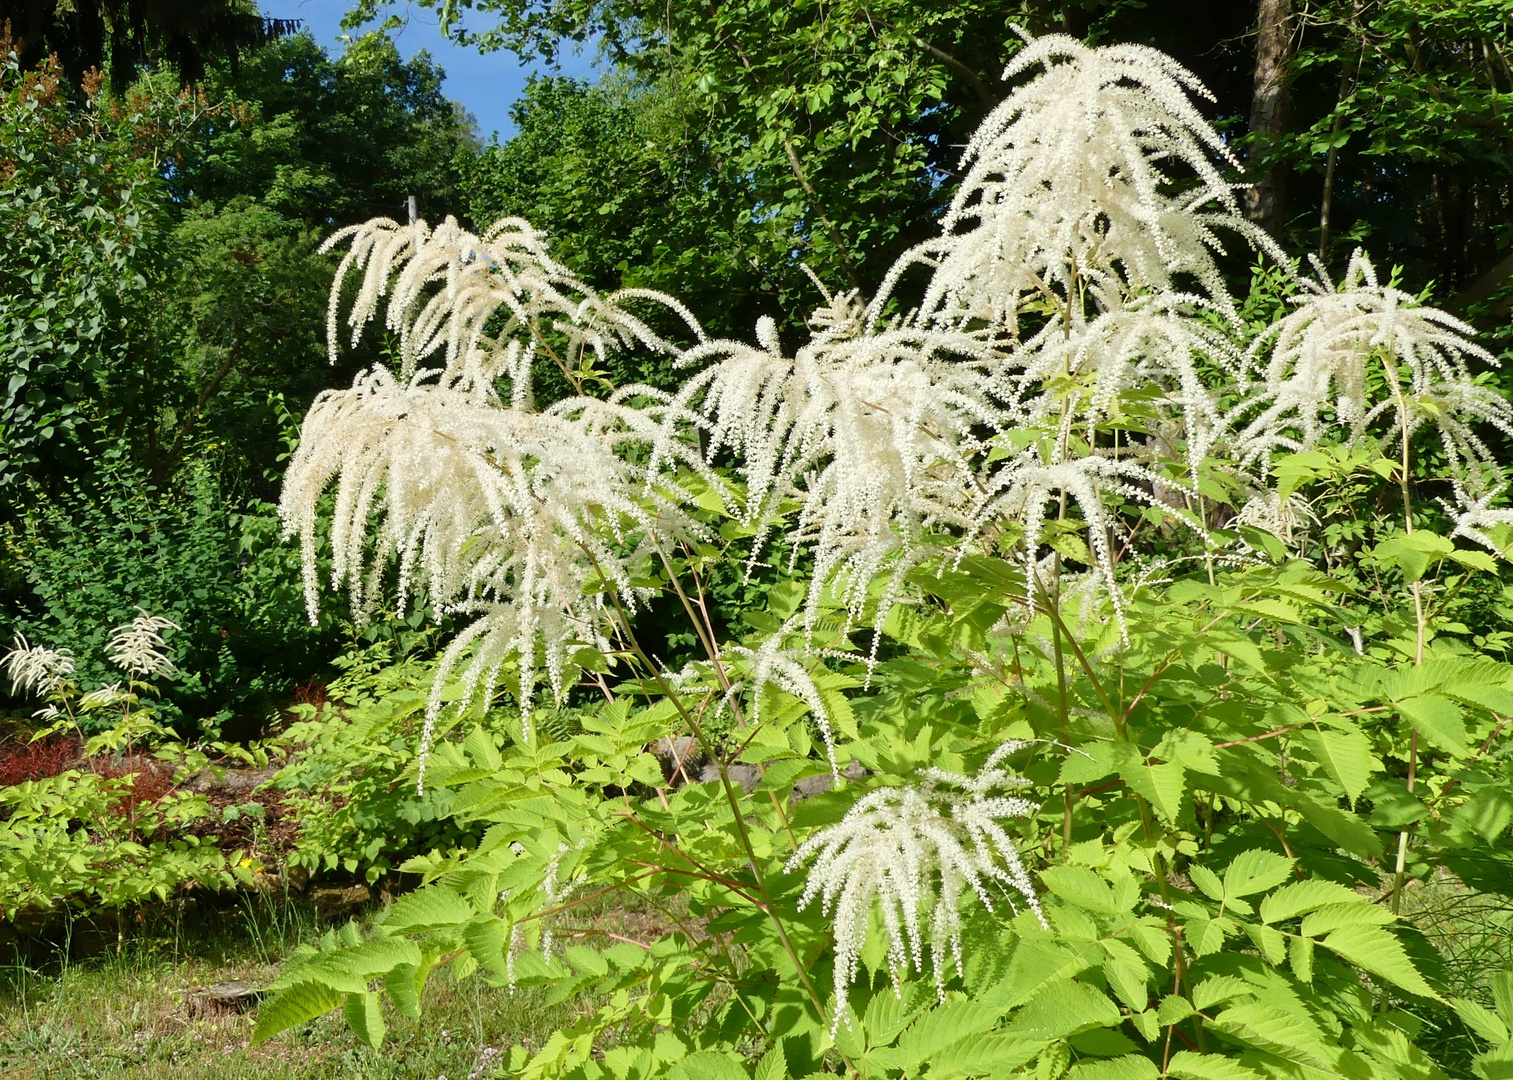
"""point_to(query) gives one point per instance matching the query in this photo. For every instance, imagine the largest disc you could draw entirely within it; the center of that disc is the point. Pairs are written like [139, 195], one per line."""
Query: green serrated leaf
[1300, 957]
[1269, 1028]
[1162, 785]
[1438, 720]
[1332, 917]
[1063, 1008]
[1346, 756]
[1502, 996]
[293, 1005]
[404, 985]
[1481, 1020]
[1495, 1064]
[982, 1055]
[433, 907]
[1376, 950]
[1128, 1067]
[708, 1065]
[1186, 1065]
[772, 1066]
[940, 1027]
[1220, 988]
[1129, 979]
[486, 939]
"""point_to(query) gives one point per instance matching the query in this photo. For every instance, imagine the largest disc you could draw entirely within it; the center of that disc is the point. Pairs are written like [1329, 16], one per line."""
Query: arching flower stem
[743, 834]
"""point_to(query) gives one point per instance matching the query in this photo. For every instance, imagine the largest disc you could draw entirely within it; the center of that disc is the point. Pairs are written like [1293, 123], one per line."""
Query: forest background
[167, 179]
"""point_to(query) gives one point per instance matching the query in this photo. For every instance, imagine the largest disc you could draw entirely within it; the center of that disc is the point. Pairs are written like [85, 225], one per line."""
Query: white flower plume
[482, 302]
[1474, 515]
[870, 434]
[35, 669]
[137, 647]
[531, 521]
[1361, 353]
[913, 853]
[1071, 191]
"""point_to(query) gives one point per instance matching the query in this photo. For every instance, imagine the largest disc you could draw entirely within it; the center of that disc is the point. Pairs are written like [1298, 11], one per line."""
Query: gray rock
[815, 785]
[333, 900]
[747, 776]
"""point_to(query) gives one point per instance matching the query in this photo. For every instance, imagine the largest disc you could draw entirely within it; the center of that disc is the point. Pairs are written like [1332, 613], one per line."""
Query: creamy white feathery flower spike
[1474, 515]
[520, 518]
[1069, 190]
[1312, 371]
[913, 853]
[877, 427]
[137, 647]
[871, 432]
[35, 669]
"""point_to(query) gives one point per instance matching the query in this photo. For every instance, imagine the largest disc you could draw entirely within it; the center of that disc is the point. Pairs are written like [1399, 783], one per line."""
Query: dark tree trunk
[1265, 201]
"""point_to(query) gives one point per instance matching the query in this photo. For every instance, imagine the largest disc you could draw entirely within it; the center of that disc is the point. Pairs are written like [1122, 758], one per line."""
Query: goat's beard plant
[1069, 410]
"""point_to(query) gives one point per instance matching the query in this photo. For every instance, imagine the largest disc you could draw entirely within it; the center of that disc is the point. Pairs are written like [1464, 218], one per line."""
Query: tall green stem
[743, 835]
[1419, 633]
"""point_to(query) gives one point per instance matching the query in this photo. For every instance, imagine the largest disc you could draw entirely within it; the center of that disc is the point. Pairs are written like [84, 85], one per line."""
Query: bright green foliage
[350, 779]
[72, 206]
[97, 552]
[1210, 749]
[85, 840]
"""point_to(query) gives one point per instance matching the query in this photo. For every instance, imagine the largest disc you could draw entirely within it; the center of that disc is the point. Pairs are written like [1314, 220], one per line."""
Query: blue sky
[485, 85]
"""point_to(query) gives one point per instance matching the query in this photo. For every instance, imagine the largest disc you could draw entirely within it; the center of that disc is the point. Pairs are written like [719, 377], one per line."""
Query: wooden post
[414, 207]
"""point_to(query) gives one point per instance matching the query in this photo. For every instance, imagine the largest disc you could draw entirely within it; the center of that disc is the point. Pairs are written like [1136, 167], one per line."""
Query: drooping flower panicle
[914, 853]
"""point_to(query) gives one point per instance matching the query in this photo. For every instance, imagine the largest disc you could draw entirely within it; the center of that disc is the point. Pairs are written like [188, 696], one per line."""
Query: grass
[122, 1013]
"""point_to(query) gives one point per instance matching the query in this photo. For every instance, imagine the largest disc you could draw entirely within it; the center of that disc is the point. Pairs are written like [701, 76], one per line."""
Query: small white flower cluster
[34, 669]
[913, 853]
[137, 647]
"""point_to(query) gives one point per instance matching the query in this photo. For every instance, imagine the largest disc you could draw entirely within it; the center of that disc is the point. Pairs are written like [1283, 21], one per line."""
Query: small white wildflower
[102, 697]
[1473, 515]
[137, 647]
[34, 669]
[913, 852]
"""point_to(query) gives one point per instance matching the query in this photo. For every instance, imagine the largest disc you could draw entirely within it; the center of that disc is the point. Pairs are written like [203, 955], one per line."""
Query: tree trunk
[1265, 200]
